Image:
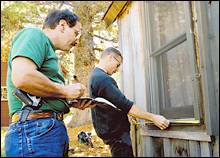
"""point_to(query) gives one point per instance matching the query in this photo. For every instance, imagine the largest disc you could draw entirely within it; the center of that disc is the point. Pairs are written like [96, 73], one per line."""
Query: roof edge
[113, 11]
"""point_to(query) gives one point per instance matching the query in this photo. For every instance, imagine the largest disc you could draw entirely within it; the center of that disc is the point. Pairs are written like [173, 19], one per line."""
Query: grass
[76, 149]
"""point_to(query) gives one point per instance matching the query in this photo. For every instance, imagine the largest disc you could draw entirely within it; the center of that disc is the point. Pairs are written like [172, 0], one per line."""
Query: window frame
[187, 37]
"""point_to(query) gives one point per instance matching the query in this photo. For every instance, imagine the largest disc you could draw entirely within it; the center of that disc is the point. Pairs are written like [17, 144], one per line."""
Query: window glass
[176, 77]
[167, 21]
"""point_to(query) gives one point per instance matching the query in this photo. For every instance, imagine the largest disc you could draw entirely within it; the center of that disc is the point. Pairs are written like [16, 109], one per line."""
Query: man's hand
[82, 104]
[74, 91]
[160, 121]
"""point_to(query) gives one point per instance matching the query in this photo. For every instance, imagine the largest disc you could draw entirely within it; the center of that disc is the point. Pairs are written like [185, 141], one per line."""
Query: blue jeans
[37, 138]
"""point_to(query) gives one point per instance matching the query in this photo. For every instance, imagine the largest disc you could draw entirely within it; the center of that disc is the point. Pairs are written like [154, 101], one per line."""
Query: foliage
[88, 51]
[95, 37]
[16, 15]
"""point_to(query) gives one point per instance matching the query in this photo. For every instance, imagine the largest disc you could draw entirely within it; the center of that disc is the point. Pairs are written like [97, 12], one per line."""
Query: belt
[38, 115]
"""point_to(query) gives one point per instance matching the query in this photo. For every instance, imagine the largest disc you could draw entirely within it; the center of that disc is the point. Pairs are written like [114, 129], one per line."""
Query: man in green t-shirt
[33, 68]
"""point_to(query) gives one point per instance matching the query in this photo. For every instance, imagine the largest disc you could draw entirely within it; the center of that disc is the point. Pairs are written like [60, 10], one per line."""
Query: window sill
[188, 121]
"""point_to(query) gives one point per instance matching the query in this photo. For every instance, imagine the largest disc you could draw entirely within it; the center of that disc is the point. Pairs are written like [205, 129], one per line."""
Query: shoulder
[99, 77]
[31, 30]
[31, 33]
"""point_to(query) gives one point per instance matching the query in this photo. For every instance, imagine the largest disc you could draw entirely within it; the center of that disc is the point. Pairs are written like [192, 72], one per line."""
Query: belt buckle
[15, 118]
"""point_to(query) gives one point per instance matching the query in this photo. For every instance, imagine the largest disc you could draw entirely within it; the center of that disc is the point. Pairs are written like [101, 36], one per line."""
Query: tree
[16, 15]
[90, 13]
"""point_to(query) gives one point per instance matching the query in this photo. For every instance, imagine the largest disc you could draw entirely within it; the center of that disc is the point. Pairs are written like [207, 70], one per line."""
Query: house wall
[213, 10]
[208, 29]
[133, 68]
[187, 140]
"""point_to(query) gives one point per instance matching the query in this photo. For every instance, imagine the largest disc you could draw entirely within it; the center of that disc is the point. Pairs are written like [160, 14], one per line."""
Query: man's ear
[62, 25]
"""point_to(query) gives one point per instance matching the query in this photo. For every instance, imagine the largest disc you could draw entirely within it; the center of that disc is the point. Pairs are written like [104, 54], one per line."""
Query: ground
[77, 149]
[81, 150]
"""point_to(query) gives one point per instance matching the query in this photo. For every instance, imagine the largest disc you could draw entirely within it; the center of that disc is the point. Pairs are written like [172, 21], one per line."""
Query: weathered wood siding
[133, 69]
[208, 28]
[180, 141]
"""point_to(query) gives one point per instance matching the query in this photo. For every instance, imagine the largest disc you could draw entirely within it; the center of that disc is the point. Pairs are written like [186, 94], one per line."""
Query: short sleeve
[30, 43]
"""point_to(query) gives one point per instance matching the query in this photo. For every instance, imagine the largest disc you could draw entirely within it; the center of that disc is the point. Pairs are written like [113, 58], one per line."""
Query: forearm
[158, 120]
[36, 83]
[137, 113]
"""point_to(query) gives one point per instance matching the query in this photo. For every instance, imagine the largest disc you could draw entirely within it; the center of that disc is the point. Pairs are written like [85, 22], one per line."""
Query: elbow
[19, 80]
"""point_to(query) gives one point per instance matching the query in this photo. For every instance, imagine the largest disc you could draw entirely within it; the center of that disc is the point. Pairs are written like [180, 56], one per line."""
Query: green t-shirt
[35, 45]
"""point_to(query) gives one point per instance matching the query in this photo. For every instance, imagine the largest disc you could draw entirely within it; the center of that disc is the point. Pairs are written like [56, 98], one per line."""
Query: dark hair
[54, 17]
[110, 50]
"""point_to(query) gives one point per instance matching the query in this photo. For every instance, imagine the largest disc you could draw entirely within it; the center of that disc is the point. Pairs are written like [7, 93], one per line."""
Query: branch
[103, 38]
[98, 49]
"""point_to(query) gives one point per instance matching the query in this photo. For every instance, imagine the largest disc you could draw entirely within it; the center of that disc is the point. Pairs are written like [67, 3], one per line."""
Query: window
[172, 56]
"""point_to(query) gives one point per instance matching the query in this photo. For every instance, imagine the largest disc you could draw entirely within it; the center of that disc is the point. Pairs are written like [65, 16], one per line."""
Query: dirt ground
[82, 150]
